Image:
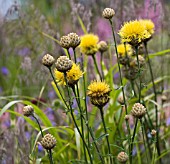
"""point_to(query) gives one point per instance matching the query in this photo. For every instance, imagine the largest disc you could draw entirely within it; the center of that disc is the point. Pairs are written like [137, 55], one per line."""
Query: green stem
[58, 88]
[50, 156]
[144, 139]
[121, 81]
[75, 58]
[155, 99]
[98, 151]
[68, 54]
[72, 115]
[139, 73]
[105, 130]
[95, 63]
[38, 125]
[101, 61]
[81, 118]
[133, 137]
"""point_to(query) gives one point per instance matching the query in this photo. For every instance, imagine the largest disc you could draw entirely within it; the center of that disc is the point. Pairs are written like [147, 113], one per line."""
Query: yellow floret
[88, 44]
[149, 25]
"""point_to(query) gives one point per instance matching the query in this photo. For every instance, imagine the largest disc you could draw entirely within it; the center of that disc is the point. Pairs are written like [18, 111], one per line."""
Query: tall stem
[144, 138]
[101, 61]
[58, 88]
[155, 98]
[133, 137]
[38, 125]
[121, 81]
[72, 115]
[68, 54]
[75, 58]
[50, 156]
[95, 63]
[81, 118]
[105, 130]
[139, 73]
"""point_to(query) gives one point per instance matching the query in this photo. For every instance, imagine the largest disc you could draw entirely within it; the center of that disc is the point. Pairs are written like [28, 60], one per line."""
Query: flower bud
[48, 141]
[48, 60]
[28, 110]
[108, 13]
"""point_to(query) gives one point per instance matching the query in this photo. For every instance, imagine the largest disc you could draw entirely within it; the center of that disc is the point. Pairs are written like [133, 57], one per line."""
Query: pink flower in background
[153, 10]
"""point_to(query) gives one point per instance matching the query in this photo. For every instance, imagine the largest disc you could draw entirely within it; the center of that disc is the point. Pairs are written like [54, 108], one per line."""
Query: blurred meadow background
[29, 29]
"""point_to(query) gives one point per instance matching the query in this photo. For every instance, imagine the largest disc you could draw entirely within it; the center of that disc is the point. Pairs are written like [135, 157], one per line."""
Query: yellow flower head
[73, 75]
[149, 25]
[98, 89]
[88, 44]
[121, 49]
[133, 32]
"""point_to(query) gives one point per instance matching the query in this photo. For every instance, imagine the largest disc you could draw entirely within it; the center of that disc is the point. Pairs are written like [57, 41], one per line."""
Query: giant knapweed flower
[98, 91]
[102, 46]
[48, 60]
[108, 13]
[65, 42]
[48, 141]
[73, 75]
[88, 44]
[123, 57]
[133, 32]
[74, 40]
[28, 110]
[138, 110]
[63, 64]
[122, 157]
[149, 25]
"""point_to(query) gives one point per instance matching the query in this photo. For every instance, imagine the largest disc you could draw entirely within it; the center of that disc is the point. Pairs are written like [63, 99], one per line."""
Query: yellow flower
[88, 44]
[121, 49]
[133, 32]
[73, 75]
[98, 88]
[149, 25]
[98, 91]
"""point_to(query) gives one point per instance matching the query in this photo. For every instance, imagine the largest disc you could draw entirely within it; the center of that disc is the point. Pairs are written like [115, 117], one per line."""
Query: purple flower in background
[134, 151]
[168, 121]
[27, 135]
[4, 71]
[76, 112]
[40, 148]
[51, 94]
[116, 75]
[1, 90]
[24, 51]
[103, 29]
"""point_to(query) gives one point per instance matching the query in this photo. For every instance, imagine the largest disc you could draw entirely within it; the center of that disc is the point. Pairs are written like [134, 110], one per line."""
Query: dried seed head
[74, 40]
[48, 141]
[28, 110]
[65, 42]
[130, 73]
[108, 13]
[48, 60]
[138, 110]
[102, 46]
[153, 133]
[127, 117]
[63, 64]
[122, 157]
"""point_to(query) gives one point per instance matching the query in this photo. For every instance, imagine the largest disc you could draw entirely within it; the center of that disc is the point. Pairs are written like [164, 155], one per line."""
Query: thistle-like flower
[73, 75]
[122, 157]
[102, 46]
[134, 62]
[48, 142]
[138, 110]
[149, 25]
[63, 64]
[48, 60]
[28, 110]
[74, 40]
[98, 92]
[88, 44]
[120, 100]
[134, 33]
[108, 13]
[153, 132]
[65, 42]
